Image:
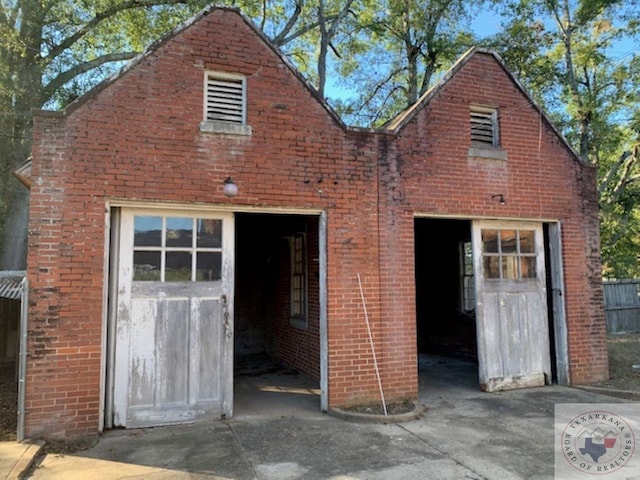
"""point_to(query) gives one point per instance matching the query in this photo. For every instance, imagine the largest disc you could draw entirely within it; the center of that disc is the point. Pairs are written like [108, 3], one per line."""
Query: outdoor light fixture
[500, 198]
[230, 188]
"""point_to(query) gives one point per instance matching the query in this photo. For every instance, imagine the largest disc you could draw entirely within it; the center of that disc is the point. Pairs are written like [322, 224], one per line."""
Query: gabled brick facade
[136, 140]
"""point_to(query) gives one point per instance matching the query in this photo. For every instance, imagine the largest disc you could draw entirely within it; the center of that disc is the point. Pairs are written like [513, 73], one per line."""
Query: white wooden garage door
[511, 305]
[174, 327]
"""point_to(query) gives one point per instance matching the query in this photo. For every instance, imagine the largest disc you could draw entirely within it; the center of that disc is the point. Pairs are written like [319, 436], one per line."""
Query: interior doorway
[277, 313]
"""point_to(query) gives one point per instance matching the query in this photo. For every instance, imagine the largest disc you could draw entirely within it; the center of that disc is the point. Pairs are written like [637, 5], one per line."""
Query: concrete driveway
[464, 434]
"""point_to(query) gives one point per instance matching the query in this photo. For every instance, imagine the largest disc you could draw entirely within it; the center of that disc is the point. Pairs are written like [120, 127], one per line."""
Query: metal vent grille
[484, 129]
[11, 284]
[225, 99]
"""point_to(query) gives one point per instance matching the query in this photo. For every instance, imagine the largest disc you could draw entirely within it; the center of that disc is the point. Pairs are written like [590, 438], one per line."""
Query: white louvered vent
[225, 99]
[484, 127]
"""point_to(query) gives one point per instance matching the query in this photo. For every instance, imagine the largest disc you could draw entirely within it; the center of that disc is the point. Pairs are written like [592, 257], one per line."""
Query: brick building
[470, 222]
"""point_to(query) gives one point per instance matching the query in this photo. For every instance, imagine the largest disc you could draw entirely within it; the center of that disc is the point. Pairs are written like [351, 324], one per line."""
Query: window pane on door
[492, 267]
[490, 241]
[147, 231]
[528, 267]
[179, 232]
[209, 233]
[178, 267]
[209, 266]
[527, 241]
[146, 266]
[509, 241]
[510, 267]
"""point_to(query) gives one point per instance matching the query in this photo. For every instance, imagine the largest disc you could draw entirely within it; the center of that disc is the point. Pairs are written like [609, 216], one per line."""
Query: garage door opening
[277, 314]
[490, 304]
[445, 303]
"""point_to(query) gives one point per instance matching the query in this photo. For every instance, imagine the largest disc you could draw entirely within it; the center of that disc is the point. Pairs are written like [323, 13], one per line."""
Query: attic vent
[225, 99]
[484, 127]
[225, 104]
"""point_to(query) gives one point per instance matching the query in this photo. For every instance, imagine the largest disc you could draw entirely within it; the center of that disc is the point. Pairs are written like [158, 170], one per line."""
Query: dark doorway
[445, 298]
[9, 331]
[445, 302]
[277, 311]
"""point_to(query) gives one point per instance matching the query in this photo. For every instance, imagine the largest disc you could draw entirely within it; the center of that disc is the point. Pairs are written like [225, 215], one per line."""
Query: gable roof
[403, 119]
[175, 32]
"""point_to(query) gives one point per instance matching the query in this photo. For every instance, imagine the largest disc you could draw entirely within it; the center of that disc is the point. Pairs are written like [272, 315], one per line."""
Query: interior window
[298, 279]
[468, 301]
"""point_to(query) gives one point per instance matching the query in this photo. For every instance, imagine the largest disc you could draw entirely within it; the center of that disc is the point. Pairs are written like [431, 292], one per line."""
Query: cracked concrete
[464, 434]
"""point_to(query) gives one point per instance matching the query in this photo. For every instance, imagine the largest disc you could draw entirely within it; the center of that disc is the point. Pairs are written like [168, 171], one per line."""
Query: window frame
[467, 280]
[298, 308]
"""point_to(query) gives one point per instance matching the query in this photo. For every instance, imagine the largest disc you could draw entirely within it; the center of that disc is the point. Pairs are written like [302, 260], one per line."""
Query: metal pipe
[22, 357]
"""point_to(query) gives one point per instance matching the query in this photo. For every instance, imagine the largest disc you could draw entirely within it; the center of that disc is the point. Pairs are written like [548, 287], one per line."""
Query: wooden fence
[622, 305]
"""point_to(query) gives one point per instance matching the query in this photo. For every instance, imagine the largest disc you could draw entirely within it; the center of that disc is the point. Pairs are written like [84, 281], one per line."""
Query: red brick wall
[541, 180]
[299, 347]
[138, 138]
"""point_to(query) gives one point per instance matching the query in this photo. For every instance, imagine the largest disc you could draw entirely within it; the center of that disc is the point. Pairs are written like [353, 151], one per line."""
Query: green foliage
[396, 49]
[568, 55]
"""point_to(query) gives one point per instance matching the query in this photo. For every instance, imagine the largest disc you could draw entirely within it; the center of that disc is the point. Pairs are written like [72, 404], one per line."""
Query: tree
[567, 54]
[408, 42]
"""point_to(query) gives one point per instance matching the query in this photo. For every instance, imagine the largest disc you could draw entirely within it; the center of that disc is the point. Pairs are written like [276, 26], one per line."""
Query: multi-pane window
[177, 249]
[468, 300]
[484, 127]
[298, 278]
[509, 254]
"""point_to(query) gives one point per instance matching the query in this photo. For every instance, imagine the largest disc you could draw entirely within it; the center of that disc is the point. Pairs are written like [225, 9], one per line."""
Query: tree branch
[303, 30]
[81, 68]
[104, 15]
[279, 39]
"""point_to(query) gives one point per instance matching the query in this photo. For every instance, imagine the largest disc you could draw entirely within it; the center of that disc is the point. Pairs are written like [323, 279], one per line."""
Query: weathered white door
[174, 330]
[511, 305]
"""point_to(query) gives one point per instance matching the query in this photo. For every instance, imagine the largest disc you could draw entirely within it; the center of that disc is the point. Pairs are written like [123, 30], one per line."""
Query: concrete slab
[198, 451]
[275, 395]
[464, 434]
[16, 458]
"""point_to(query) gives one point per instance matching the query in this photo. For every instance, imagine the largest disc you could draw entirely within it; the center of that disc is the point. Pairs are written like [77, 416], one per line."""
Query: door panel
[511, 309]
[174, 332]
